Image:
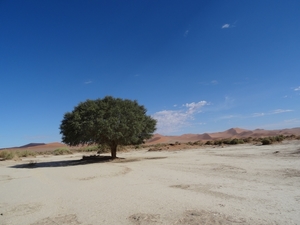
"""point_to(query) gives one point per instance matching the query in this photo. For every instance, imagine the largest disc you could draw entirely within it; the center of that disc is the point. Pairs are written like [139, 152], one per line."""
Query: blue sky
[197, 66]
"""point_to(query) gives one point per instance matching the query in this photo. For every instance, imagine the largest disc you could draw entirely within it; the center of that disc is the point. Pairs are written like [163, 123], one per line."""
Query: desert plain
[240, 184]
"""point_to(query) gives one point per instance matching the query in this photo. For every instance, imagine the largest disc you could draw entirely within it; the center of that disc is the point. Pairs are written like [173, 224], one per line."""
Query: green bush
[266, 141]
[197, 143]
[247, 140]
[217, 142]
[62, 151]
[25, 153]
[234, 141]
[93, 148]
[7, 155]
[226, 141]
[208, 143]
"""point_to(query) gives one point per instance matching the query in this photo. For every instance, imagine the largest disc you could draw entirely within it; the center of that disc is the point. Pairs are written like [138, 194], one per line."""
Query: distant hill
[158, 138]
[230, 133]
[31, 145]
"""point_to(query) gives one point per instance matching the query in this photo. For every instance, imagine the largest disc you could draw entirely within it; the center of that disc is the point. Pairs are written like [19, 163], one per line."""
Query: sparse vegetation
[14, 154]
[25, 153]
[62, 151]
[266, 141]
[7, 155]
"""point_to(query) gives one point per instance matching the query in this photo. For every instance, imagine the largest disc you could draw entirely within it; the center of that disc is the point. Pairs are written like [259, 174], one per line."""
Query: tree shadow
[64, 163]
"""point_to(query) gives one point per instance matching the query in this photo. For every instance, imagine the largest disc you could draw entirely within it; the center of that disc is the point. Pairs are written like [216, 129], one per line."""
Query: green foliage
[93, 148]
[62, 151]
[108, 121]
[103, 148]
[266, 141]
[12, 154]
[218, 142]
[247, 140]
[209, 143]
[7, 155]
[25, 153]
[197, 143]
[234, 141]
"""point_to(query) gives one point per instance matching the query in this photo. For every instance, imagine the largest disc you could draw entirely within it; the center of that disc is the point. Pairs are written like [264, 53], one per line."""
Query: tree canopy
[109, 121]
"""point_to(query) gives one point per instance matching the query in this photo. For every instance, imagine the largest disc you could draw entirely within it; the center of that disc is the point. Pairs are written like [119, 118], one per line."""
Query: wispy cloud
[88, 82]
[276, 111]
[297, 89]
[258, 114]
[282, 124]
[170, 121]
[213, 82]
[226, 25]
[227, 117]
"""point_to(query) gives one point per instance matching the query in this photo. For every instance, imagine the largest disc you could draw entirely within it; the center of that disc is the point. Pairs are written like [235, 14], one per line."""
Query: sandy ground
[242, 184]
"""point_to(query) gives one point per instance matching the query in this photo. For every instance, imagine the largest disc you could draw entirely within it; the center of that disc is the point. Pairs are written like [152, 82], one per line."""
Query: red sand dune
[231, 133]
[158, 138]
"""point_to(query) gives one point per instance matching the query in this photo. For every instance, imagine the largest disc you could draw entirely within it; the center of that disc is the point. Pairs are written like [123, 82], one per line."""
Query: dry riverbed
[243, 184]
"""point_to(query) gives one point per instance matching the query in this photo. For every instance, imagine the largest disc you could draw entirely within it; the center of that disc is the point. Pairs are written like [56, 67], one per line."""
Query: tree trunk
[113, 150]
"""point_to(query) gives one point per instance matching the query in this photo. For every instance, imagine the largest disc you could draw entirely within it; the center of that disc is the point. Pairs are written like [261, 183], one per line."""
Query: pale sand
[242, 184]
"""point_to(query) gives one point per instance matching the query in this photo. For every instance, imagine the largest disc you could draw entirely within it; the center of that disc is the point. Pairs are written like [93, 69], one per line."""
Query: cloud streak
[297, 89]
[276, 111]
[170, 121]
[226, 25]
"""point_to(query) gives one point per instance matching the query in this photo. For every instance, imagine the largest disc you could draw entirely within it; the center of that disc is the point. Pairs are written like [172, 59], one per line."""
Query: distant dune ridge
[39, 145]
[231, 133]
[158, 138]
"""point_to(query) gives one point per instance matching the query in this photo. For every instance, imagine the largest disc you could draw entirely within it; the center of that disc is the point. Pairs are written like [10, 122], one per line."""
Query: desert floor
[243, 184]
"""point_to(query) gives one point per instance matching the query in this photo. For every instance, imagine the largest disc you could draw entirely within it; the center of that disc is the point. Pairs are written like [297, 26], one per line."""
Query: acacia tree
[108, 121]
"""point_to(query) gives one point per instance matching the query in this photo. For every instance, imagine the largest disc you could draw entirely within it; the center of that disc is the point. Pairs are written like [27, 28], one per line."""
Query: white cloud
[282, 124]
[226, 25]
[276, 111]
[170, 121]
[214, 82]
[280, 111]
[88, 82]
[194, 107]
[297, 89]
[258, 114]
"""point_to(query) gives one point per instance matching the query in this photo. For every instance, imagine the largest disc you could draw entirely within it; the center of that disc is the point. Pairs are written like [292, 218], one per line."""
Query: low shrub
[25, 153]
[197, 143]
[62, 151]
[209, 143]
[234, 141]
[266, 141]
[90, 148]
[138, 146]
[7, 155]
